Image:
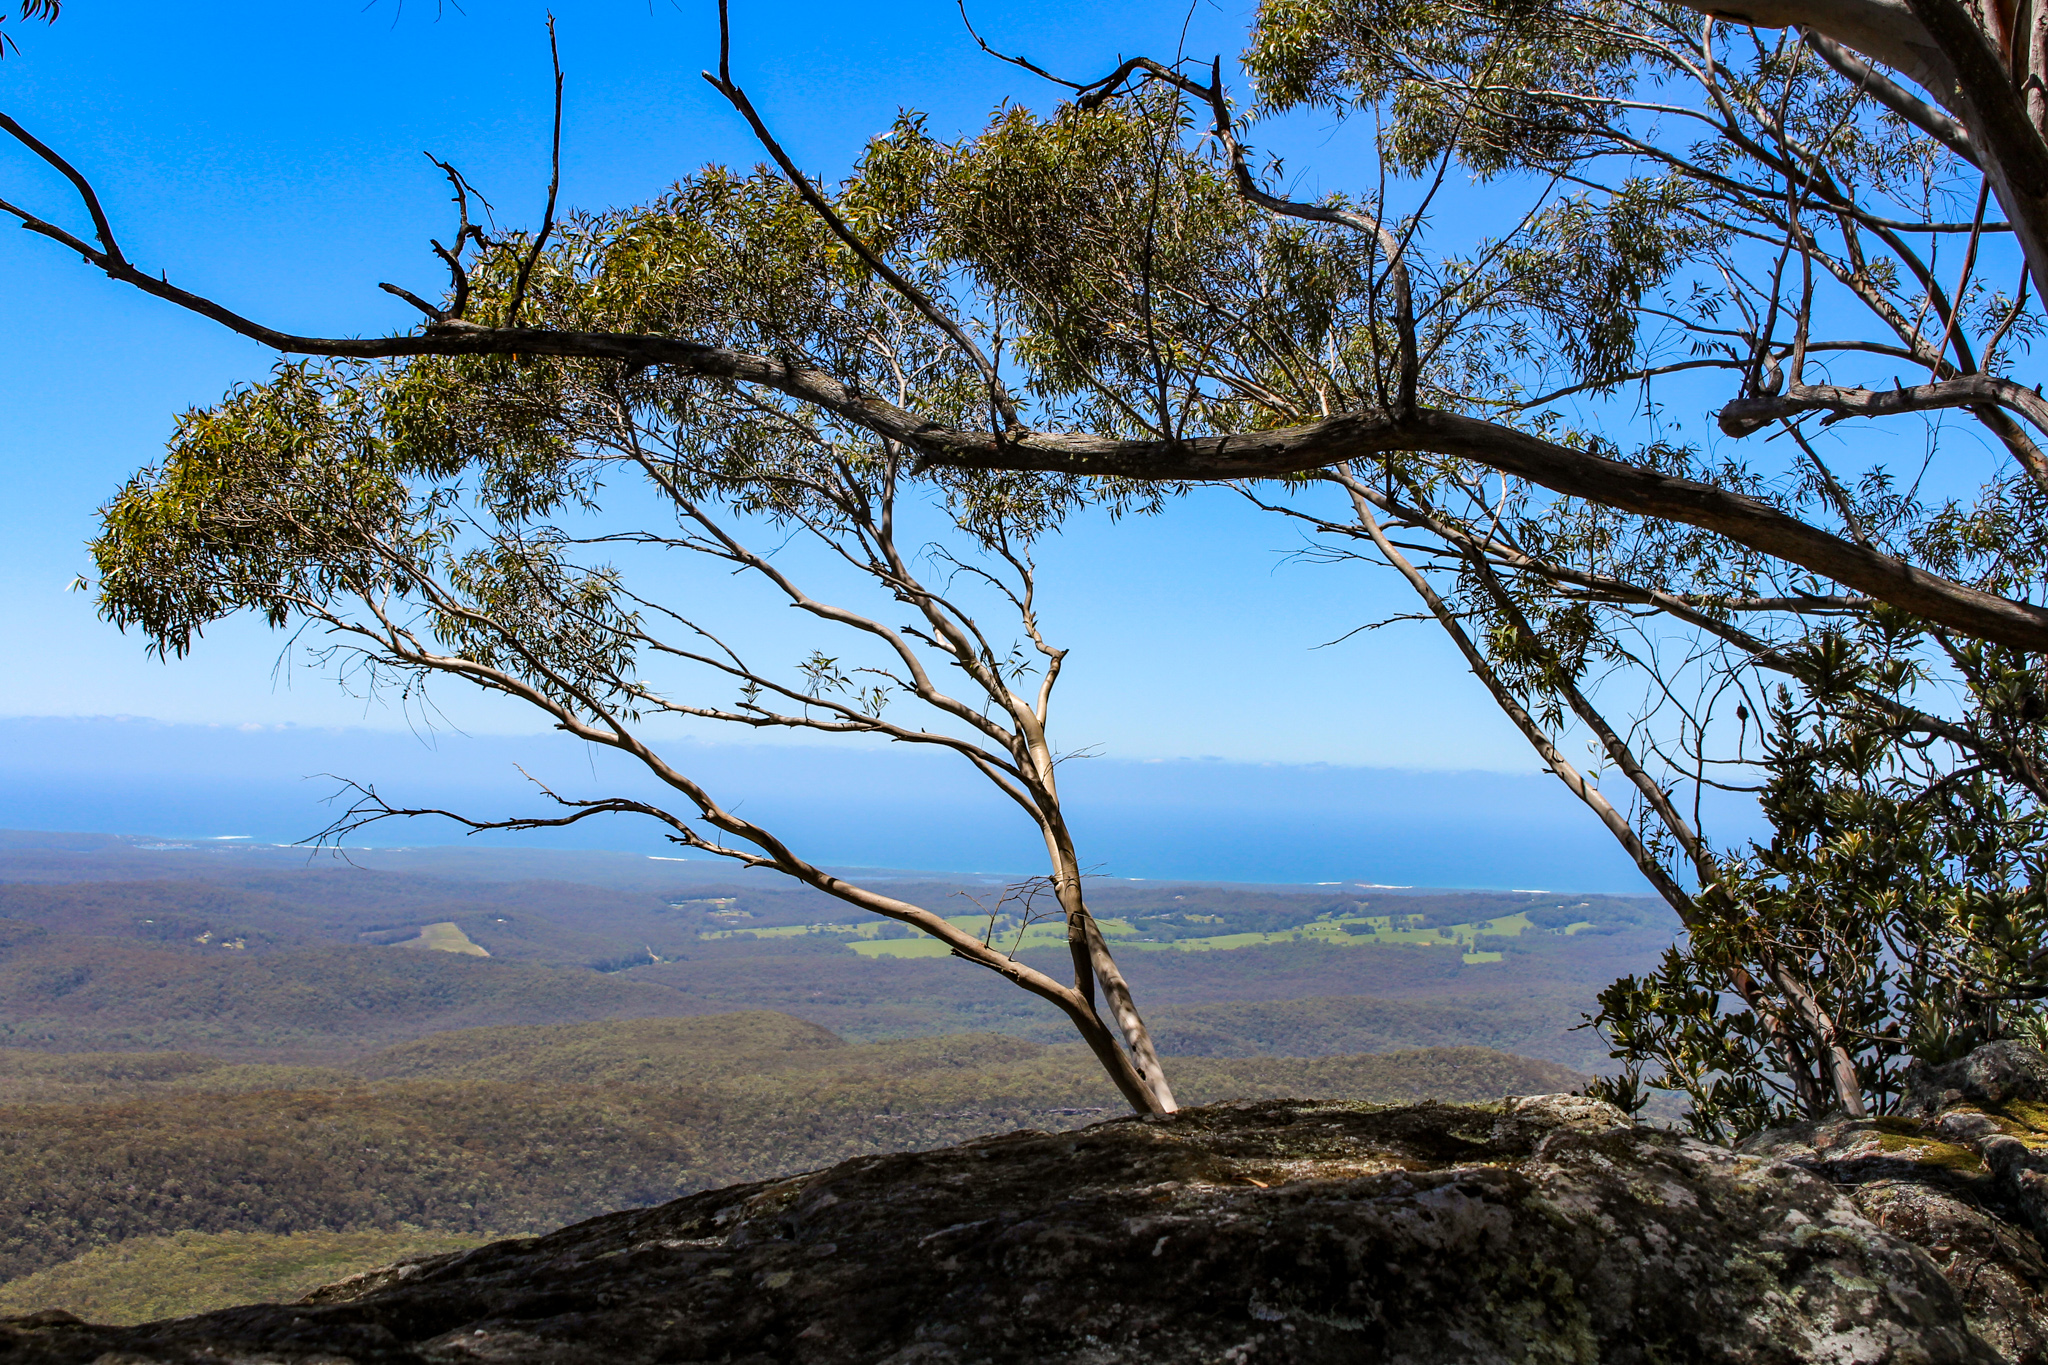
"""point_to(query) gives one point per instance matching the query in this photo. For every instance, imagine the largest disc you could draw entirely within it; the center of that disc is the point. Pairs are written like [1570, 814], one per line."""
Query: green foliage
[284, 480]
[1136, 283]
[1911, 901]
[1551, 66]
[1519, 86]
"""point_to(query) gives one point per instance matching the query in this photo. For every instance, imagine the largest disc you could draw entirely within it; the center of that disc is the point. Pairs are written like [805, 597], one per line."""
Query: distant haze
[1192, 819]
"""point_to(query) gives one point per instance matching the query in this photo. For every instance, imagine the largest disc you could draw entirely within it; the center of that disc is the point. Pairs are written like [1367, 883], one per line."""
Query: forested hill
[511, 1130]
[229, 1071]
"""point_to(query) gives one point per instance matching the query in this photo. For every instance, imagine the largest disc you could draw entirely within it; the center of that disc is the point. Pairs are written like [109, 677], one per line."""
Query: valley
[263, 952]
[246, 1072]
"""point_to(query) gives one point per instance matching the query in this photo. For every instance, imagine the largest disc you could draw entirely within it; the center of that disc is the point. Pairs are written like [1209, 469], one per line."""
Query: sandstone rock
[1962, 1173]
[1993, 1076]
[1539, 1230]
[1996, 1269]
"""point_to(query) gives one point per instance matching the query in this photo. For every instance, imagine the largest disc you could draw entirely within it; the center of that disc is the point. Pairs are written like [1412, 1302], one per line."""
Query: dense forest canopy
[924, 367]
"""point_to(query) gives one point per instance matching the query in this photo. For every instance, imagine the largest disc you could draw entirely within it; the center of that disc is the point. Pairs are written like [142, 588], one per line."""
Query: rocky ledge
[1545, 1229]
[1961, 1172]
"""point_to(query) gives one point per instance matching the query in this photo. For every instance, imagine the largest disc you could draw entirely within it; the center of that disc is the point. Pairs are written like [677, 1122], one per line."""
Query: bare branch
[100, 226]
[999, 393]
[1948, 131]
[415, 300]
[1745, 416]
[547, 220]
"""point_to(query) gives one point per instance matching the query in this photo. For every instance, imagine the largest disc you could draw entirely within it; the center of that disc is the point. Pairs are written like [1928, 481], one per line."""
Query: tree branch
[547, 219]
[1746, 416]
[1271, 453]
[1938, 125]
[999, 393]
[100, 226]
[1248, 186]
[1883, 30]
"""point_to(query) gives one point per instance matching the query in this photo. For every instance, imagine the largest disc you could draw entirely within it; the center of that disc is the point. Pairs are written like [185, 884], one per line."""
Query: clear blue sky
[269, 155]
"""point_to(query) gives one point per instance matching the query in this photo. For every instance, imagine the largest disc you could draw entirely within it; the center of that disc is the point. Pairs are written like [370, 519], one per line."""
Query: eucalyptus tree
[1114, 295]
[527, 526]
[1768, 214]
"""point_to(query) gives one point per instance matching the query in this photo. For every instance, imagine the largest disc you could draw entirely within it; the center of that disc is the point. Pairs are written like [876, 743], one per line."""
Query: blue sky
[270, 156]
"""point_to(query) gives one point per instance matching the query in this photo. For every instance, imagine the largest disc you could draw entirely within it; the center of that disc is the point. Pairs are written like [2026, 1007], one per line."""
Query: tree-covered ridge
[315, 1004]
[521, 1129]
[559, 922]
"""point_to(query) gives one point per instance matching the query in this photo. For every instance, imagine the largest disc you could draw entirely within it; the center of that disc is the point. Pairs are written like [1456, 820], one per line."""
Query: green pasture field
[445, 937]
[1014, 936]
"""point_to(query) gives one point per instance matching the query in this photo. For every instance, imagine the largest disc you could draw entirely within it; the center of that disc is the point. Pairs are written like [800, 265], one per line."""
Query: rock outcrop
[1961, 1172]
[1544, 1230]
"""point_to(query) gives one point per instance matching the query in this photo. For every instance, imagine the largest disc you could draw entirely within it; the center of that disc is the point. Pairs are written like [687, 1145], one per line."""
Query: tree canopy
[1106, 301]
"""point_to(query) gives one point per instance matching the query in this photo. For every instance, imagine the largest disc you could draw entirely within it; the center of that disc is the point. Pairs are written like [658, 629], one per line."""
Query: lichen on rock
[1961, 1172]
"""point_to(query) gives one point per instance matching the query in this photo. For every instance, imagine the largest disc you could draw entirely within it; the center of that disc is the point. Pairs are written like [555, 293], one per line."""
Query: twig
[100, 226]
[722, 82]
[547, 221]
